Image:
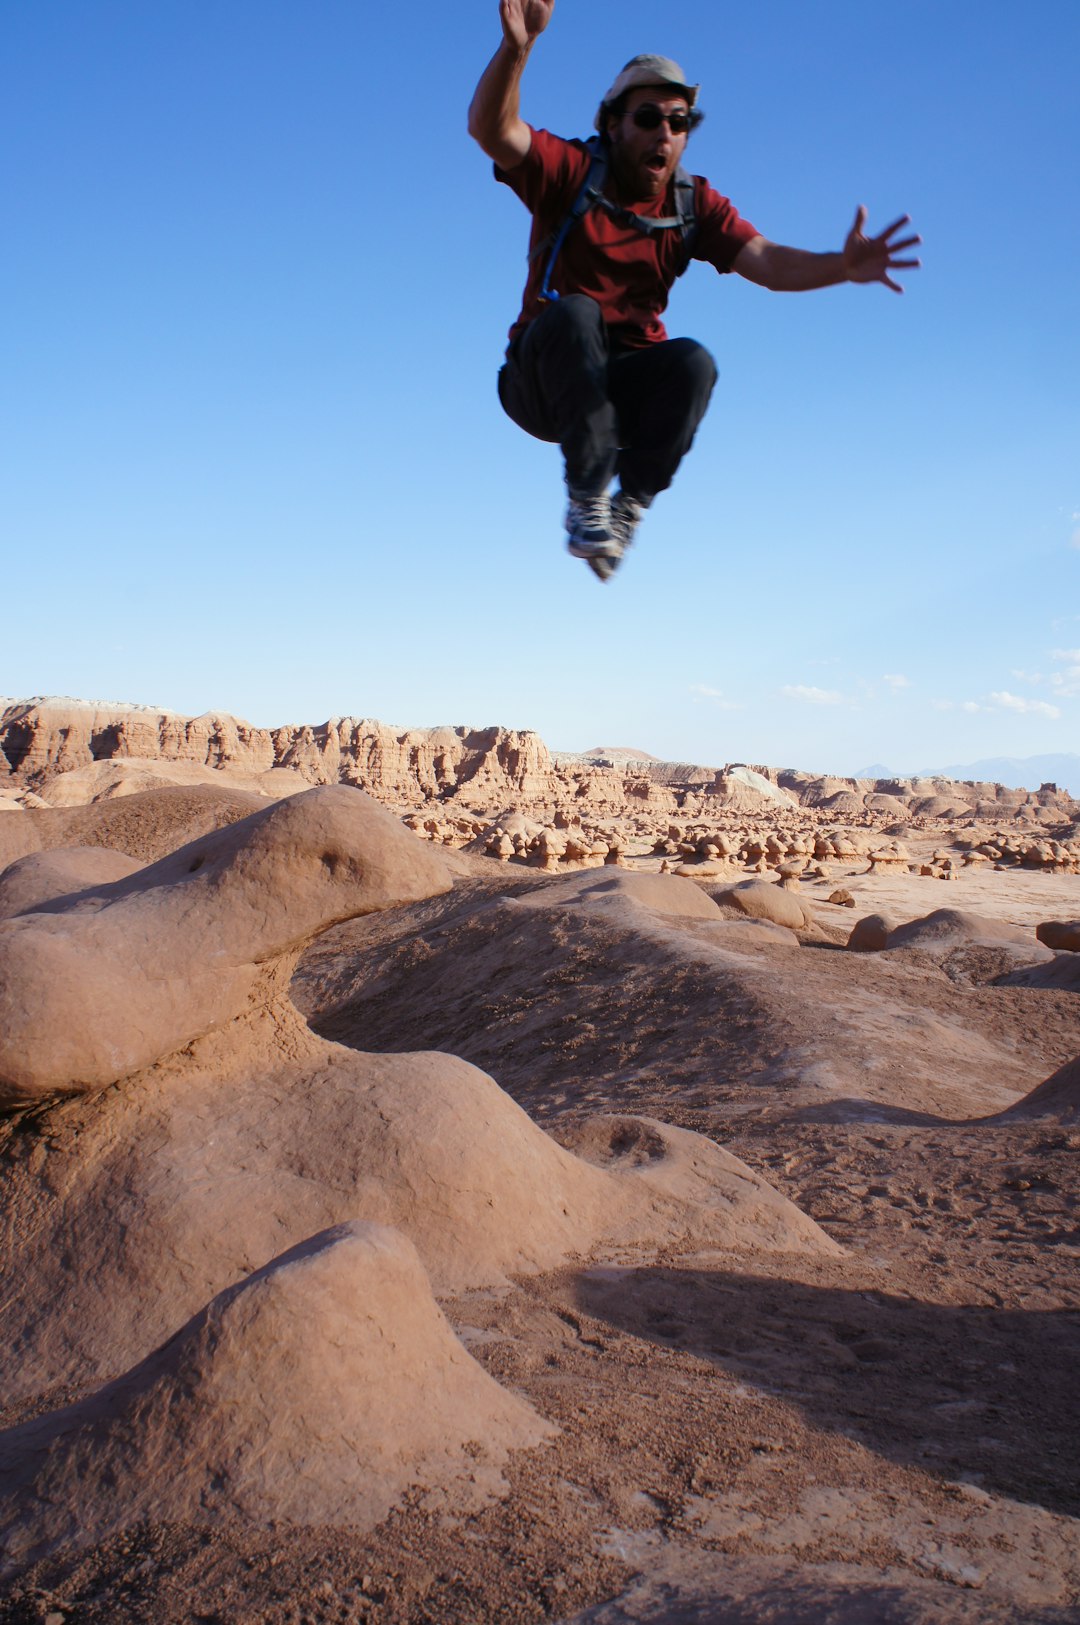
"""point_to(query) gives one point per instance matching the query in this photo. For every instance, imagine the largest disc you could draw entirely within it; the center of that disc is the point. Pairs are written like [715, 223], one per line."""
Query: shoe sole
[594, 550]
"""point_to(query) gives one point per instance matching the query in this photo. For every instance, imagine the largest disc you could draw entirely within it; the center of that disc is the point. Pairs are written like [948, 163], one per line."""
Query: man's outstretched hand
[523, 20]
[870, 259]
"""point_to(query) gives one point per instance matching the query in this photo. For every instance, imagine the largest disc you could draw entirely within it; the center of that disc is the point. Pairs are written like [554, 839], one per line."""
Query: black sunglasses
[649, 117]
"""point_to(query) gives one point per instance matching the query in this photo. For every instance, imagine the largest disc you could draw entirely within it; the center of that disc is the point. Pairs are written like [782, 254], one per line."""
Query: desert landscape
[446, 1179]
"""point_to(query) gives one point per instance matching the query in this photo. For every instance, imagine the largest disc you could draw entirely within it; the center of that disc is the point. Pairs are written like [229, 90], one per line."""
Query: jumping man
[615, 221]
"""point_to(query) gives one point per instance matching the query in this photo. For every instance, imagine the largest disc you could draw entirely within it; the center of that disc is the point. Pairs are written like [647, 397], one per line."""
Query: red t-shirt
[628, 274]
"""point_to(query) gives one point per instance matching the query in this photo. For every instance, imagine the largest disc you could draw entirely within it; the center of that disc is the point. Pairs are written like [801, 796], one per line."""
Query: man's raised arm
[495, 119]
[862, 259]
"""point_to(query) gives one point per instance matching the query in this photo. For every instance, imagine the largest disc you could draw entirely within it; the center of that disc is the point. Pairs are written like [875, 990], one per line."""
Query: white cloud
[1027, 676]
[1013, 702]
[811, 695]
[896, 680]
[715, 696]
[1066, 683]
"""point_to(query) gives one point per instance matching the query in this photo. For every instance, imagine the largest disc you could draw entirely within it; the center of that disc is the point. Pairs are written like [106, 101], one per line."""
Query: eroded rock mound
[1062, 971]
[1060, 934]
[94, 992]
[949, 928]
[237, 1132]
[33, 882]
[147, 826]
[664, 894]
[314, 1392]
[678, 1163]
[763, 900]
[155, 1197]
[1056, 1100]
[870, 935]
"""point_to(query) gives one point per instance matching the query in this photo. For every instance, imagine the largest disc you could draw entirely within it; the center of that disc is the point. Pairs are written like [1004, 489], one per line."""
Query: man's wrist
[515, 55]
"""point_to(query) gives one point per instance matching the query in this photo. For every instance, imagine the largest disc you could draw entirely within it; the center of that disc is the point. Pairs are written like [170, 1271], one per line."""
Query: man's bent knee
[697, 365]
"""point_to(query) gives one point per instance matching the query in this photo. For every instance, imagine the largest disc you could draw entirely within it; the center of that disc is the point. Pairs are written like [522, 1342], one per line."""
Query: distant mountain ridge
[1015, 772]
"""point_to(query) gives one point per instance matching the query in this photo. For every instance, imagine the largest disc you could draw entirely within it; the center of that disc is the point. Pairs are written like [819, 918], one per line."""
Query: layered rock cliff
[41, 739]
[487, 770]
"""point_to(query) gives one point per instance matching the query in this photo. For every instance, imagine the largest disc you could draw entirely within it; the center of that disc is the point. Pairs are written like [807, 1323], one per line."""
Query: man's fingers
[903, 220]
[889, 283]
[860, 218]
[904, 265]
[905, 242]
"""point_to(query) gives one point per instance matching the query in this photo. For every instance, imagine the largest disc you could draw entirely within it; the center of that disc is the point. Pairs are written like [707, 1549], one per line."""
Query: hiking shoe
[589, 530]
[603, 566]
[626, 515]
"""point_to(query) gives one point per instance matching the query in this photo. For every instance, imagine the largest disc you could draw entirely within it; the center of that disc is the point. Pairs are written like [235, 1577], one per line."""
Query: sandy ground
[890, 1435]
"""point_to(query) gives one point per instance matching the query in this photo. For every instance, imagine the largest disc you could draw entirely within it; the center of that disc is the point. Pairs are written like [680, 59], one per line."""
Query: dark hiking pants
[613, 410]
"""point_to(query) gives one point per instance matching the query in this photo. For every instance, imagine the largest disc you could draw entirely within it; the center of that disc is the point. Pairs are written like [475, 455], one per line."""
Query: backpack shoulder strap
[589, 194]
[685, 190]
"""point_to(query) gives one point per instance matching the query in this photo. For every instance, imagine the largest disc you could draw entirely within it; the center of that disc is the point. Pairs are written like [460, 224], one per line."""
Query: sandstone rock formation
[236, 1133]
[41, 740]
[945, 930]
[670, 895]
[146, 826]
[762, 900]
[948, 928]
[91, 993]
[1057, 1100]
[470, 774]
[32, 883]
[129, 776]
[244, 1238]
[316, 1391]
[870, 935]
[1060, 934]
[1061, 971]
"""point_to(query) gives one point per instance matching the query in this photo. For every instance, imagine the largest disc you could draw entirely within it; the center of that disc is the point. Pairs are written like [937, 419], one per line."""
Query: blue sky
[256, 283]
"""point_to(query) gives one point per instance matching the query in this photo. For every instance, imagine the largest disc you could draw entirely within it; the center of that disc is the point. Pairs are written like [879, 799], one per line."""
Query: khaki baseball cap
[650, 70]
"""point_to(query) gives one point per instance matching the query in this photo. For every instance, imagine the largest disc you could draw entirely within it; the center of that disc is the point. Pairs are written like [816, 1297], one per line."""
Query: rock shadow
[965, 1392]
[852, 1109]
